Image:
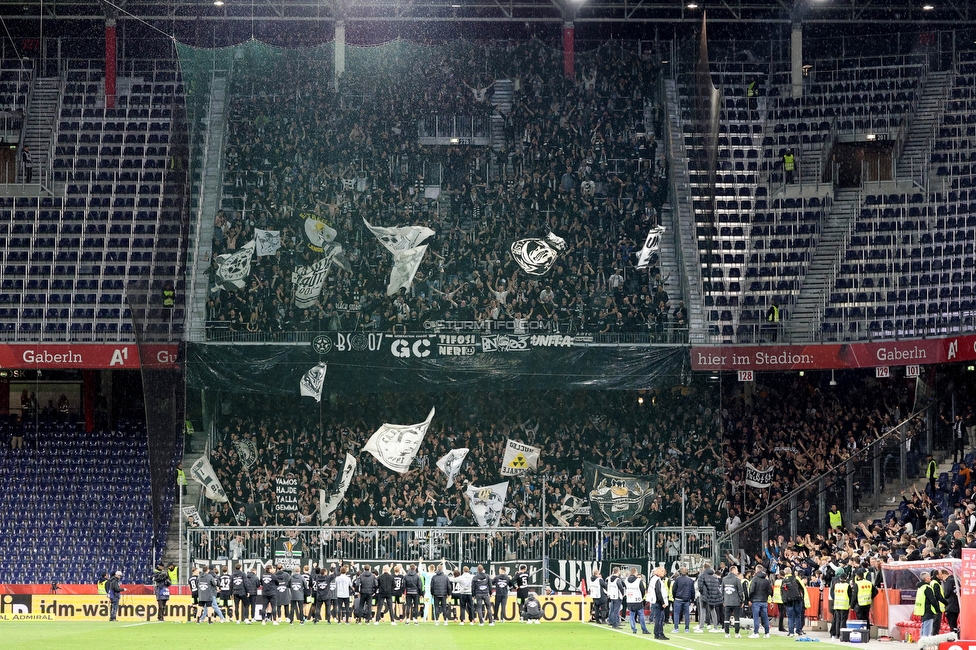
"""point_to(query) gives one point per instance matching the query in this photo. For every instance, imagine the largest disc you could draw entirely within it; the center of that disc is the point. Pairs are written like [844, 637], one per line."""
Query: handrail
[785, 499]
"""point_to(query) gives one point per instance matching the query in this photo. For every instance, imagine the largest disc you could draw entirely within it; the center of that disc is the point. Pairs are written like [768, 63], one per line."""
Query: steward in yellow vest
[835, 518]
[840, 603]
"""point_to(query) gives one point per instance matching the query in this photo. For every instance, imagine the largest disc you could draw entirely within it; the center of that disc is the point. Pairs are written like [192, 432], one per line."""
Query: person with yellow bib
[102, 581]
[840, 602]
[789, 165]
[866, 591]
[777, 598]
[927, 605]
[181, 478]
[931, 473]
[835, 518]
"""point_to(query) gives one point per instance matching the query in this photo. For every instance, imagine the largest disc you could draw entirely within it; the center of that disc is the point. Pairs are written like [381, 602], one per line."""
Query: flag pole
[684, 545]
[545, 562]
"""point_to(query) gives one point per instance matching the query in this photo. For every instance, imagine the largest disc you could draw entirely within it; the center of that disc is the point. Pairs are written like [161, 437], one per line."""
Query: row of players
[366, 596]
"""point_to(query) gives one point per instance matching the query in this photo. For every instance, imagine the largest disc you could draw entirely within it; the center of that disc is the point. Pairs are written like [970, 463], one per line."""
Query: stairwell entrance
[861, 162]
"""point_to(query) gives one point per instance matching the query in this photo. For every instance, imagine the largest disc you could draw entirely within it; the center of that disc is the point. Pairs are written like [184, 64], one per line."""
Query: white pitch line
[689, 637]
[642, 637]
[138, 624]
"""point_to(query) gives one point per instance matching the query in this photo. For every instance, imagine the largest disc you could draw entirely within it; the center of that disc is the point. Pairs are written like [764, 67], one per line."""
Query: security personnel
[102, 581]
[840, 602]
[169, 296]
[927, 605]
[174, 574]
[866, 591]
[772, 321]
[180, 481]
[931, 473]
[597, 588]
[615, 595]
[753, 89]
[777, 598]
[789, 165]
[835, 518]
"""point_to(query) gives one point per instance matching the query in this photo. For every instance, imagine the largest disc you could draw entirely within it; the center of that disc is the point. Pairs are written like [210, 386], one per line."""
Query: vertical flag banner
[396, 445]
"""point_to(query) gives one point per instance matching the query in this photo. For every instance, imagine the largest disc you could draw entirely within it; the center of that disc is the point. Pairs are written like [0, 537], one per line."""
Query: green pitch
[426, 636]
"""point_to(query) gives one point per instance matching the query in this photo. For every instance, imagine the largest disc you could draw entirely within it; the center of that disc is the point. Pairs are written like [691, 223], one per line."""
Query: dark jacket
[251, 583]
[709, 587]
[207, 587]
[732, 595]
[759, 588]
[503, 584]
[480, 585]
[367, 583]
[237, 586]
[113, 588]
[412, 583]
[951, 594]
[268, 584]
[683, 588]
[297, 586]
[440, 585]
[385, 584]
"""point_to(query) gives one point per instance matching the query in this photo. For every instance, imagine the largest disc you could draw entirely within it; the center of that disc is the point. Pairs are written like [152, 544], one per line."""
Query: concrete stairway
[207, 194]
[920, 133]
[172, 551]
[501, 99]
[804, 319]
[41, 120]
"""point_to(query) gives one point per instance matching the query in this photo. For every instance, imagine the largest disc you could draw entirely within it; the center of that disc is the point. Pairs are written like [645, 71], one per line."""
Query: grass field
[560, 636]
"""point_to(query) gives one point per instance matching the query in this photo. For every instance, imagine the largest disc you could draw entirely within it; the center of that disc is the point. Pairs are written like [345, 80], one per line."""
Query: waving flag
[396, 445]
[401, 238]
[328, 505]
[519, 458]
[268, 242]
[405, 265]
[652, 244]
[313, 381]
[451, 463]
[233, 268]
[202, 472]
[486, 503]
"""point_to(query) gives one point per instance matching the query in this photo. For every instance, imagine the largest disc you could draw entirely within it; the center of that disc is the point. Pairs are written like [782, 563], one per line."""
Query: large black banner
[382, 362]
[616, 498]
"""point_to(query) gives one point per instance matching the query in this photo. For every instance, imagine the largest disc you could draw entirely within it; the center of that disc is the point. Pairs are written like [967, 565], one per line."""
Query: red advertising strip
[966, 586]
[86, 356]
[834, 356]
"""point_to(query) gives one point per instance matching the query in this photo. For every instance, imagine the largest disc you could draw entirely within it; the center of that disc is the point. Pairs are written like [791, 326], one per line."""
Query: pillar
[796, 59]
[110, 62]
[340, 48]
[569, 52]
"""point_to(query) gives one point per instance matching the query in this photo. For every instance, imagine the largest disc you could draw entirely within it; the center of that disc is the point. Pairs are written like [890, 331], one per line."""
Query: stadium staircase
[171, 553]
[805, 317]
[931, 105]
[501, 99]
[207, 193]
[682, 219]
[39, 129]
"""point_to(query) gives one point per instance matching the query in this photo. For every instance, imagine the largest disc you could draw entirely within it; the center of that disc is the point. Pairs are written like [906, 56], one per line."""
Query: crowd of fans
[671, 435]
[579, 159]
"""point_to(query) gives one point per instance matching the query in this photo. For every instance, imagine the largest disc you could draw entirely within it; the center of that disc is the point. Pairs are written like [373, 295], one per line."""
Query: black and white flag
[450, 463]
[486, 503]
[652, 244]
[400, 238]
[570, 507]
[759, 478]
[313, 380]
[268, 242]
[308, 282]
[233, 268]
[405, 265]
[519, 458]
[202, 472]
[319, 233]
[537, 256]
[247, 453]
[616, 498]
[396, 445]
[329, 503]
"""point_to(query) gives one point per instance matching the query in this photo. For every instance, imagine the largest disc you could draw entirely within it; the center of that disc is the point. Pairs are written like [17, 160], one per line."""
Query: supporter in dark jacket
[440, 589]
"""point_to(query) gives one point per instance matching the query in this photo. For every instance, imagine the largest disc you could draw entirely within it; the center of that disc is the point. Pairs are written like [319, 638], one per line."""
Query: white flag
[451, 462]
[535, 256]
[203, 473]
[486, 503]
[402, 238]
[519, 458]
[405, 265]
[308, 282]
[652, 244]
[247, 452]
[395, 445]
[327, 505]
[319, 233]
[233, 268]
[759, 478]
[312, 382]
[268, 242]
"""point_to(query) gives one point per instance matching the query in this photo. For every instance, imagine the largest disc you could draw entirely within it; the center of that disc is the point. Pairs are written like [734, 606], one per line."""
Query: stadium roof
[938, 13]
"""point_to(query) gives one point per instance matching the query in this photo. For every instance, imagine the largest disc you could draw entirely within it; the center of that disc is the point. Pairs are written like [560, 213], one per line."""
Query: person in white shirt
[657, 596]
[343, 591]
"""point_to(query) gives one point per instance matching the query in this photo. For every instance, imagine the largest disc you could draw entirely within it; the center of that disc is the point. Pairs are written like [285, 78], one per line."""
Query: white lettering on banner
[359, 342]
[884, 354]
[504, 343]
[286, 494]
[954, 350]
[488, 325]
[783, 359]
[403, 349]
[456, 339]
[551, 340]
[119, 356]
[31, 356]
[711, 359]
[165, 356]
